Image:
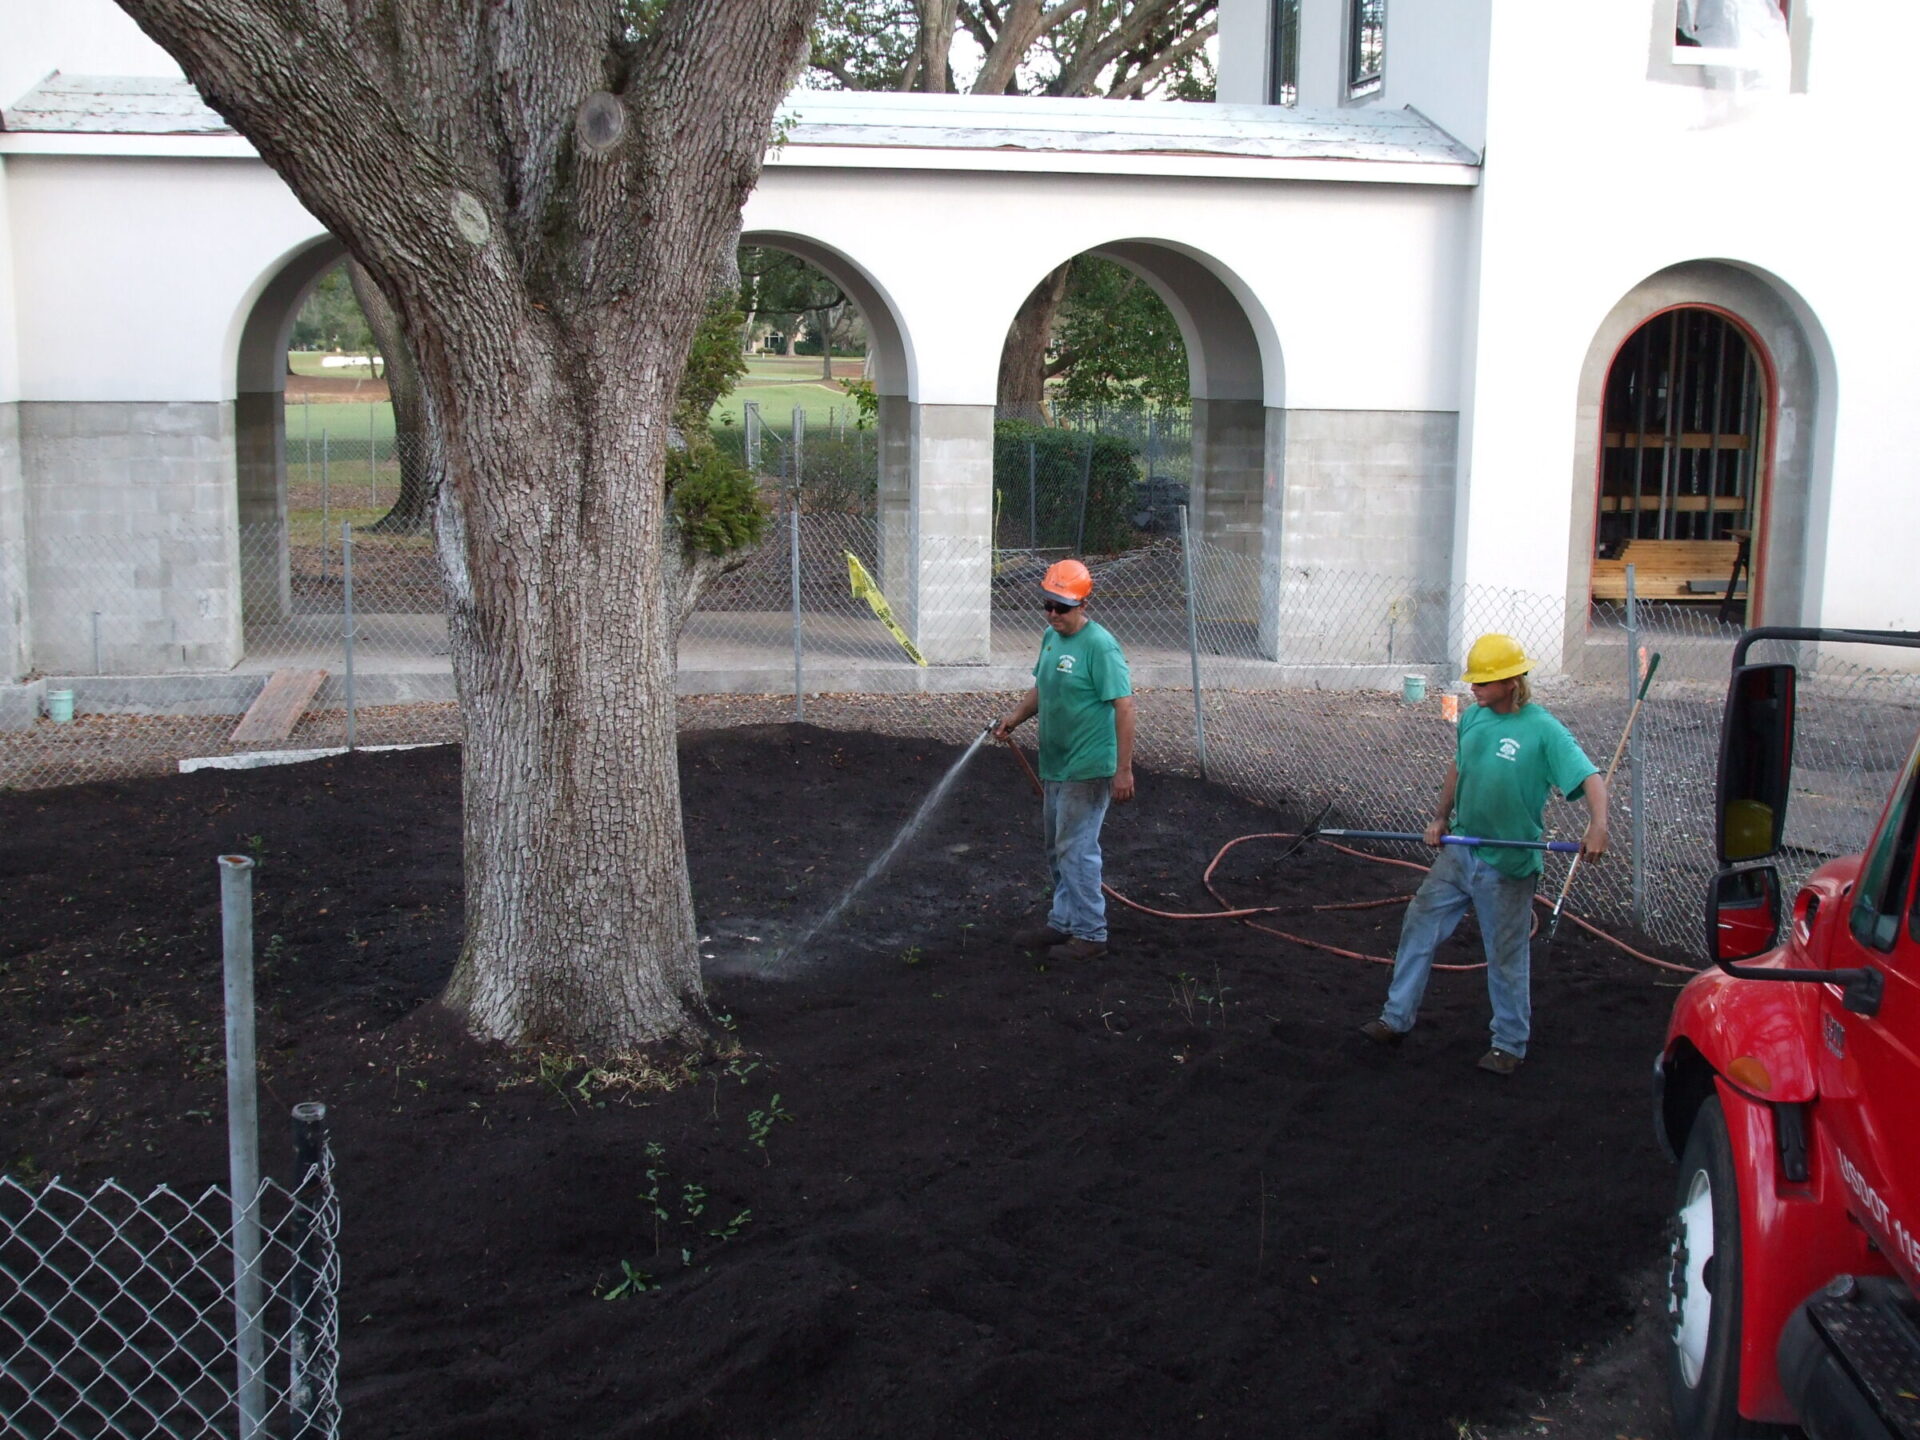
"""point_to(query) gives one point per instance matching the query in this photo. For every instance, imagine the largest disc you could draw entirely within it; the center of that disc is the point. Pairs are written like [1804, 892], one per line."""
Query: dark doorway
[1685, 416]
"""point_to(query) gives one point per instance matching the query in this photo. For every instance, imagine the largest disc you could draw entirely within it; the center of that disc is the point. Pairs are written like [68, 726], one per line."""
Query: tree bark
[545, 197]
[1023, 359]
[412, 512]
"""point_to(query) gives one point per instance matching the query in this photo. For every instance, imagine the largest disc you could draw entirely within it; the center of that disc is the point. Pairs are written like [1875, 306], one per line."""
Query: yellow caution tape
[865, 589]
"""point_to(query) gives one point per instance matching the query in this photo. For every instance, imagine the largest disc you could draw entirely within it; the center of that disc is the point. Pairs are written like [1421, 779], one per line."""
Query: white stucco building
[1499, 288]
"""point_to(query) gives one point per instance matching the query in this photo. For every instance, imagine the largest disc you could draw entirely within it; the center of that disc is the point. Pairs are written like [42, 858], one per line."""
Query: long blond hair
[1522, 692]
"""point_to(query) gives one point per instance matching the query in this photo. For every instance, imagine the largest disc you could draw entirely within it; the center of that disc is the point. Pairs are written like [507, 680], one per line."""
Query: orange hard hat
[1067, 581]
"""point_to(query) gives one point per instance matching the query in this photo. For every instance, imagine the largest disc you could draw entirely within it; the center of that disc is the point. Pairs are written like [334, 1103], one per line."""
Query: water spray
[885, 858]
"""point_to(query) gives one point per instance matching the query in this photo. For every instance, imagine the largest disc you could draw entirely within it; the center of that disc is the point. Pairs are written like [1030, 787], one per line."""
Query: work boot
[1078, 950]
[1381, 1033]
[1039, 937]
[1499, 1062]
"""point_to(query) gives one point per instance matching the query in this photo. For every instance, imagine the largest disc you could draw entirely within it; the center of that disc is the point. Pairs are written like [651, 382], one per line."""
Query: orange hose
[1245, 913]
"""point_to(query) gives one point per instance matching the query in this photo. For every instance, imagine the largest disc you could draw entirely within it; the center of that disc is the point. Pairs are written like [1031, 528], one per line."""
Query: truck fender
[1794, 1238]
[1758, 1038]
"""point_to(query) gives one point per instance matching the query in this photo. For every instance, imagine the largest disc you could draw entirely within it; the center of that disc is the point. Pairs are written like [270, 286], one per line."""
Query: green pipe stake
[1653, 664]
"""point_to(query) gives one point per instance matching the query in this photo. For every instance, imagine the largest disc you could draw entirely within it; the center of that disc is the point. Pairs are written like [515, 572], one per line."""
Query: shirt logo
[1065, 665]
[1509, 749]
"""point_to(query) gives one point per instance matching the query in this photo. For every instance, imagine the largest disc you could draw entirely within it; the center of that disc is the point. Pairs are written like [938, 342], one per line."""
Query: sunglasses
[1054, 607]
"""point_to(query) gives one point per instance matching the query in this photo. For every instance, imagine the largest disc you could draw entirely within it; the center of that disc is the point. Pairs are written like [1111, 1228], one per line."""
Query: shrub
[1060, 463]
[714, 499]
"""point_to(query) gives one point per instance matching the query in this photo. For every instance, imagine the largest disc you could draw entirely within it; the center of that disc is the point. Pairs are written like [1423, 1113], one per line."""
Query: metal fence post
[1193, 646]
[1636, 760]
[96, 642]
[326, 514]
[1086, 481]
[799, 443]
[750, 427]
[243, 1140]
[309, 1157]
[1033, 496]
[373, 474]
[346, 615]
[793, 562]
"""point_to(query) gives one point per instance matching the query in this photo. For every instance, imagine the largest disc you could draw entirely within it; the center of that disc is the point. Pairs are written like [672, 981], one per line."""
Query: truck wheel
[1703, 1289]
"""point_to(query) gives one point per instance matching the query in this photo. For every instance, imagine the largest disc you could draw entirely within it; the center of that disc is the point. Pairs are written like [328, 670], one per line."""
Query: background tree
[412, 511]
[1121, 49]
[1115, 344]
[330, 318]
[549, 195]
[785, 289]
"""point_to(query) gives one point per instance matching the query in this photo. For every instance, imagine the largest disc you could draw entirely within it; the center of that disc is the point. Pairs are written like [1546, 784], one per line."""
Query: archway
[260, 431]
[1701, 392]
[1232, 441]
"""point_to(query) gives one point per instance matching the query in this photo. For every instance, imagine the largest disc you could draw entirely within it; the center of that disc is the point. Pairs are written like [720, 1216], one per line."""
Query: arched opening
[1683, 462]
[1134, 382]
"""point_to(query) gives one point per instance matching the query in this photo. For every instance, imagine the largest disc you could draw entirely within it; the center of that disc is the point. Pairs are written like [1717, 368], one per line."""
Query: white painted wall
[76, 37]
[9, 320]
[1790, 185]
[1352, 289]
[111, 266]
[1437, 63]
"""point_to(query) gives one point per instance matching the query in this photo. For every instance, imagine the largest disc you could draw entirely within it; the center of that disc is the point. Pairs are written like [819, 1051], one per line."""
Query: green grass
[344, 424]
[776, 404]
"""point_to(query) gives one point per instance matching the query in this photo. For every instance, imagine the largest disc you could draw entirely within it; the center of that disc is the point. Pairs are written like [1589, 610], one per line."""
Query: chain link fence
[1300, 673]
[119, 1312]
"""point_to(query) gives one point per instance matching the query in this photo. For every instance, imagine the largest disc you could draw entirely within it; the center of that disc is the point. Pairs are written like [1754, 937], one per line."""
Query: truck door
[1872, 1062]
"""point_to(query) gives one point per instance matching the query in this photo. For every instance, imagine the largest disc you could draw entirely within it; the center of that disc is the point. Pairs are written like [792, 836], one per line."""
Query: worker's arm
[1593, 795]
[1443, 810]
[1028, 707]
[1123, 734]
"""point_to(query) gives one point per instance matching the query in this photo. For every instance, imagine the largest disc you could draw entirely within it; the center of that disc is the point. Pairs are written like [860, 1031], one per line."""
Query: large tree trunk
[1023, 359]
[412, 511]
[545, 195]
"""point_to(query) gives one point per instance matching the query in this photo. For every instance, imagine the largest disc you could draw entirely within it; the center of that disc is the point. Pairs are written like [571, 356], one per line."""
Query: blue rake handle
[1559, 847]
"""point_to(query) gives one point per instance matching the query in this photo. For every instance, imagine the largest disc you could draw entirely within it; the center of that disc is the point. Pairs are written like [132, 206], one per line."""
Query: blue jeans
[1504, 907]
[1071, 813]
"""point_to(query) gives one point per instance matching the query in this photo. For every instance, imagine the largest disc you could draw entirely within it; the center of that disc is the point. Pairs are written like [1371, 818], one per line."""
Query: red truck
[1788, 1090]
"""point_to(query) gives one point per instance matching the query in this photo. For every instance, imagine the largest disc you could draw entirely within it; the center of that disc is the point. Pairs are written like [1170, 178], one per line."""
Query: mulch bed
[1166, 1192]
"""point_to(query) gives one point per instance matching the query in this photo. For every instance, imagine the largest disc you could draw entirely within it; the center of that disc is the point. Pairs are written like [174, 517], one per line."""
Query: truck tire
[1703, 1289]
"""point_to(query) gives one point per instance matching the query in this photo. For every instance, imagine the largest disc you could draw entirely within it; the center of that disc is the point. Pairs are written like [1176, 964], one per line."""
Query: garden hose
[1245, 914]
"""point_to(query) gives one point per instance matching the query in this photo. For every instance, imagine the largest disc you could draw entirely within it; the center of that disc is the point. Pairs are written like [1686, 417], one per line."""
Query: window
[1878, 897]
[1283, 73]
[1366, 46]
[1751, 34]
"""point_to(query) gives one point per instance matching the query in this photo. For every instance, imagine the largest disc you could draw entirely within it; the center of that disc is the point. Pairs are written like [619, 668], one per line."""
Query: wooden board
[1667, 570]
[279, 706]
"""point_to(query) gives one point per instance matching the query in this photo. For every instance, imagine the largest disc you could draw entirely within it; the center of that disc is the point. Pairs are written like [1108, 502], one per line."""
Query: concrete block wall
[15, 614]
[1366, 537]
[266, 573]
[950, 587]
[131, 511]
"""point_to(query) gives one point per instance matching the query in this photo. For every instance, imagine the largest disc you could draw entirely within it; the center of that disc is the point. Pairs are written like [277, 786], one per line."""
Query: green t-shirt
[1506, 764]
[1078, 678]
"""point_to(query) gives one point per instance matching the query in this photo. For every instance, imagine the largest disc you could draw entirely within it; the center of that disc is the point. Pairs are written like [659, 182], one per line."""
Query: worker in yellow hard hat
[1508, 753]
[1083, 693]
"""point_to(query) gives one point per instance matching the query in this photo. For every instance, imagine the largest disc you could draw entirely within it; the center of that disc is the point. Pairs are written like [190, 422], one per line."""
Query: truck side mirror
[1756, 763]
[1743, 919]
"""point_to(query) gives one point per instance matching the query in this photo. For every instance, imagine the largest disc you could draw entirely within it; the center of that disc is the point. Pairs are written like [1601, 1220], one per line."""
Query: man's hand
[1122, 786]
[1004, 730]
[1435, 829]
[1593, 844]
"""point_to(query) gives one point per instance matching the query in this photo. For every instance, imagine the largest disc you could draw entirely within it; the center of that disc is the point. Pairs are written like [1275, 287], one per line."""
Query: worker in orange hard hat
[1507, 754]
[1083, 694]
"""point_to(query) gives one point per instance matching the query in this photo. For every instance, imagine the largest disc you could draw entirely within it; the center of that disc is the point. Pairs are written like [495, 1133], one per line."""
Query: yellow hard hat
[1495, 657]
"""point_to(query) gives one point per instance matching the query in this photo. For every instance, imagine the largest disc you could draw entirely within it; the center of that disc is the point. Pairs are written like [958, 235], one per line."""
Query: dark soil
[1169, 1192]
